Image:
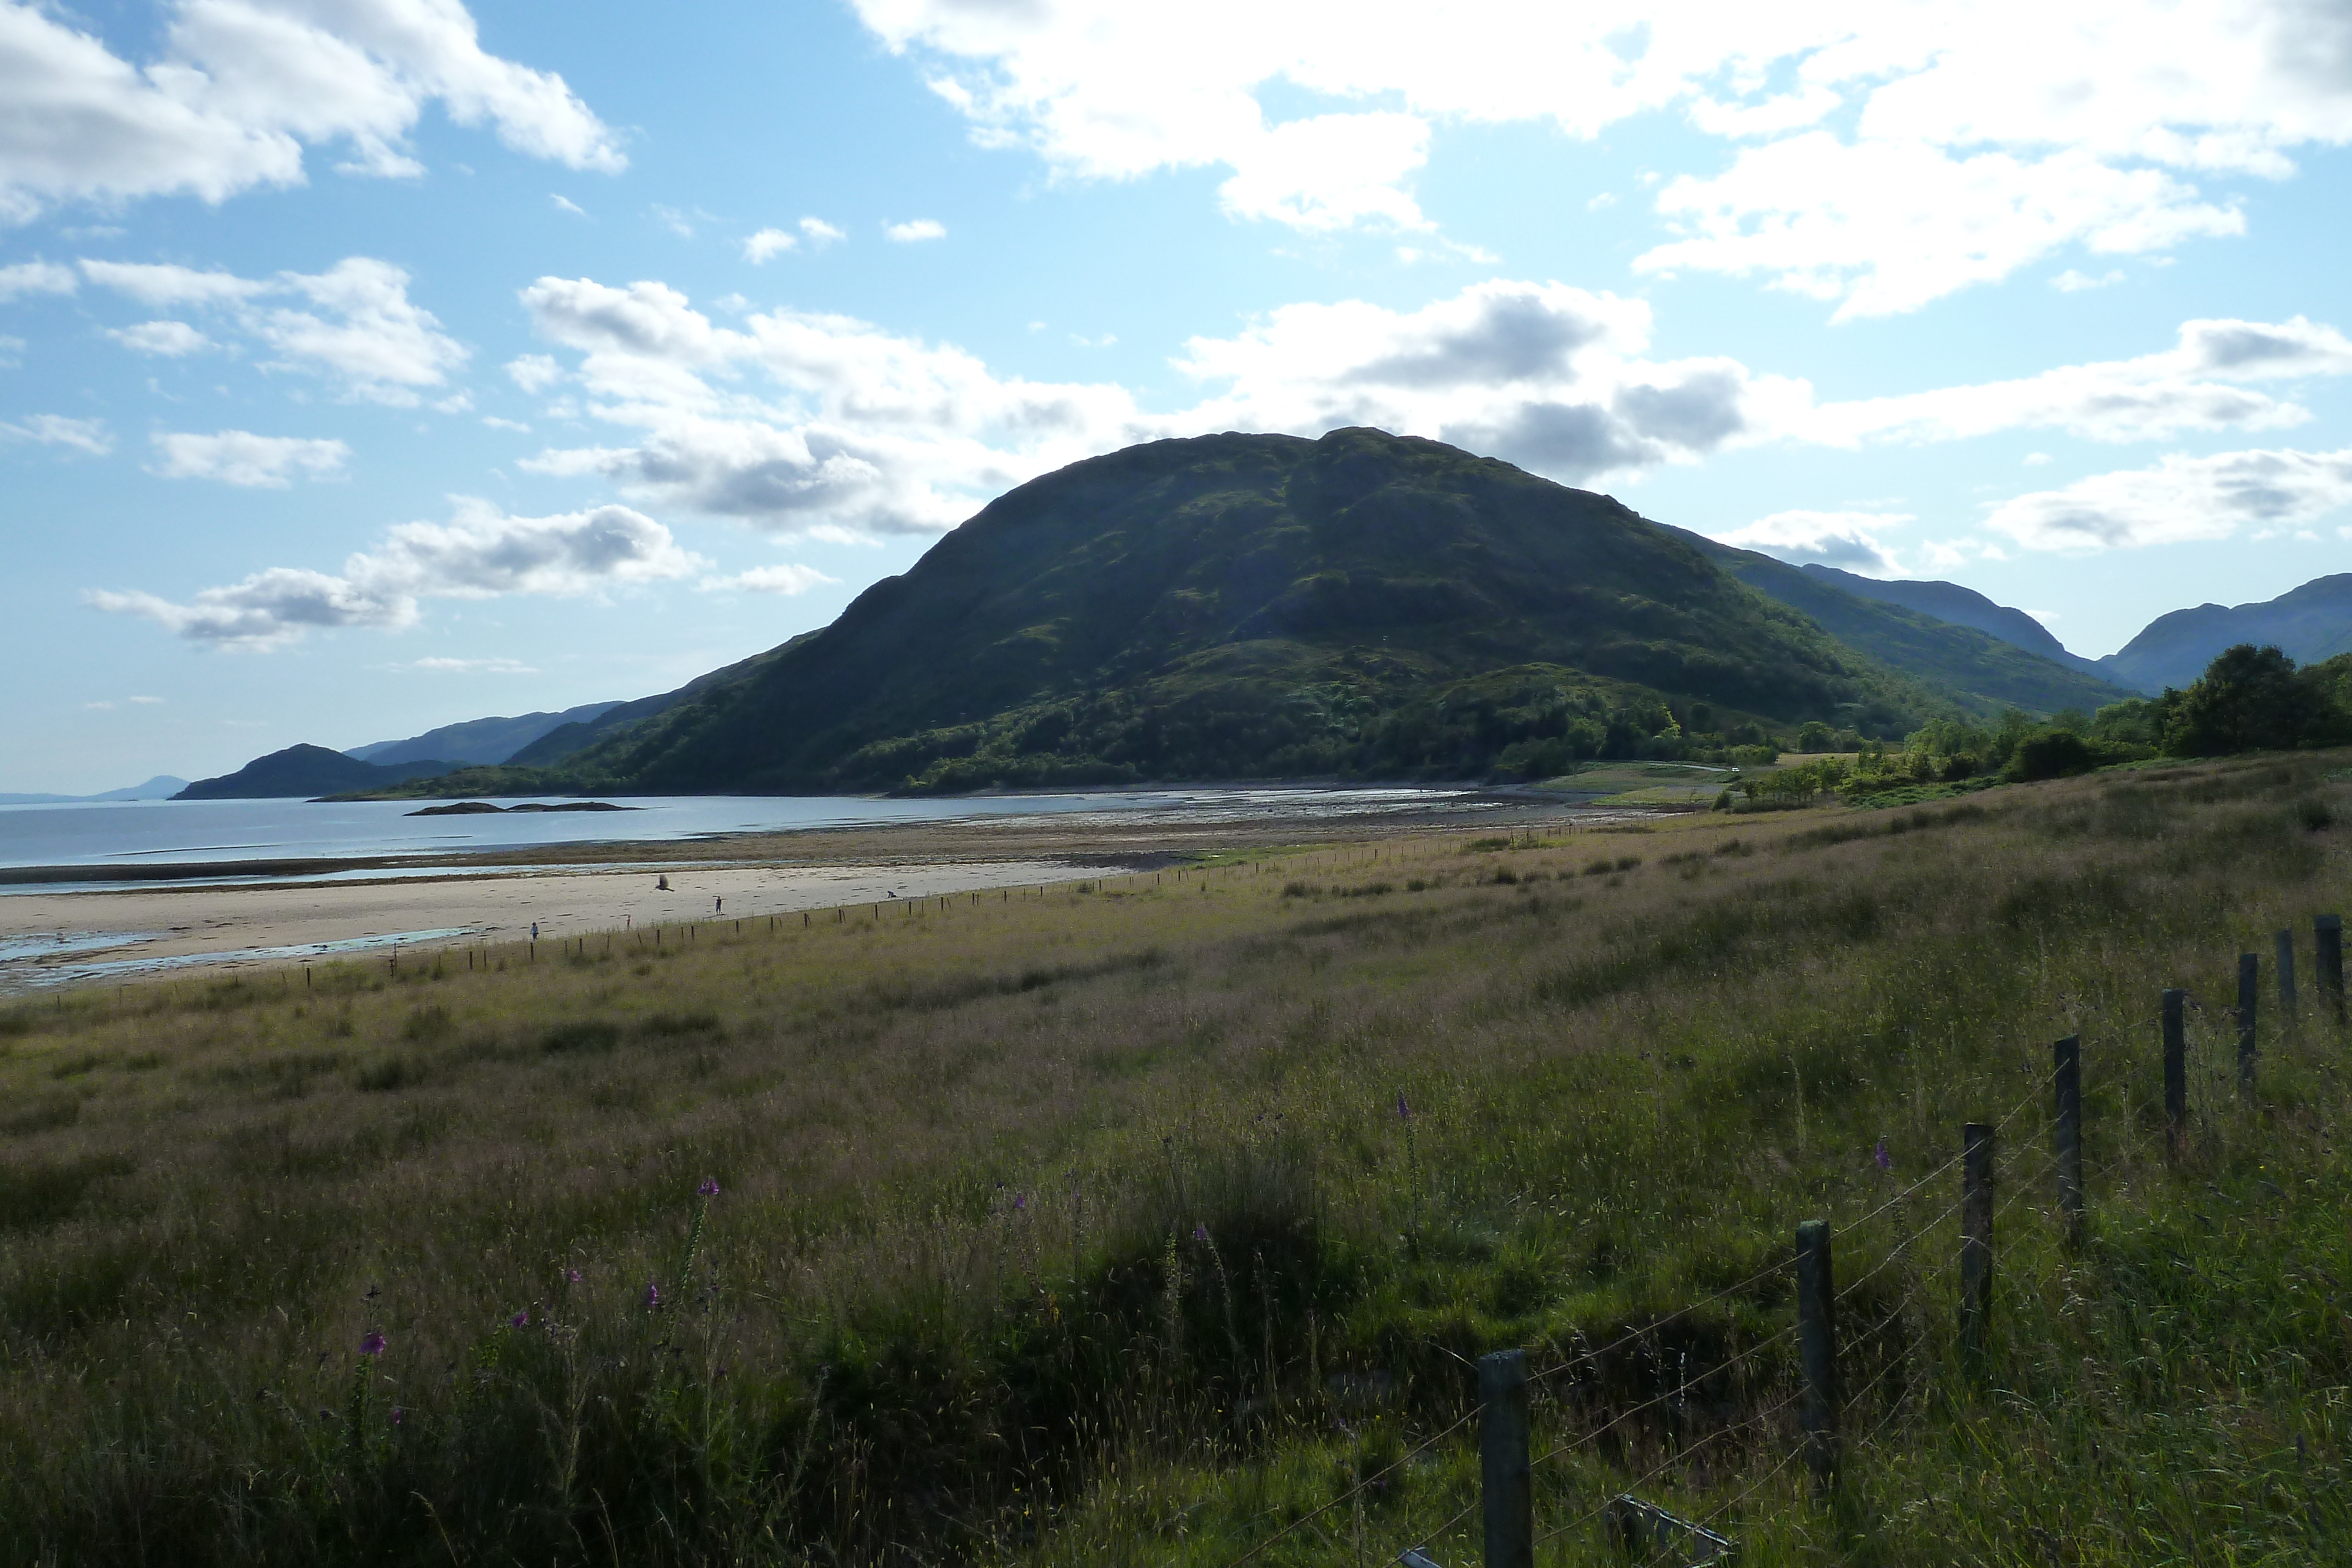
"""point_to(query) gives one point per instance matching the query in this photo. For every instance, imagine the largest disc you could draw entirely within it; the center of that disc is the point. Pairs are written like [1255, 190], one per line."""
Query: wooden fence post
[1817, 1345]
[2249, 995]
[1506, 1492]
[2327, 930]
[2175, 1071]
[2068, 1134]
[1976, 1243]
[2284, 943]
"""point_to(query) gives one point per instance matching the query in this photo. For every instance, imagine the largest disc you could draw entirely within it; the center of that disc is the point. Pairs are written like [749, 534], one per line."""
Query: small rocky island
[476, 808]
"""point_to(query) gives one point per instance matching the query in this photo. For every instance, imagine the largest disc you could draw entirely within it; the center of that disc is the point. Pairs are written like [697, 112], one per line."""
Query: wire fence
[2030, 1158]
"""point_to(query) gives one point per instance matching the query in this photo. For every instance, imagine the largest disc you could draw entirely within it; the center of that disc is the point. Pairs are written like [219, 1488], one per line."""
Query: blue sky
[370, 364]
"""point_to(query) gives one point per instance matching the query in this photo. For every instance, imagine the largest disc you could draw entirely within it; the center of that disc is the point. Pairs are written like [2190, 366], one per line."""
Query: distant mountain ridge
[163, 787]
[477, 739]
[1961, 607]
[1990, 670]
[301, 771]
[2307, 623]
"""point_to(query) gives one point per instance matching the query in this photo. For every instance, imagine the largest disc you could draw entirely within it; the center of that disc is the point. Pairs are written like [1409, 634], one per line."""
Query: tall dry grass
[1085, 1227]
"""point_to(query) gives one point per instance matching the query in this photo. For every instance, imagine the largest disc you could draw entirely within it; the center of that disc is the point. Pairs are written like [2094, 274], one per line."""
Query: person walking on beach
[718, 906]
[661, 884]
[534, 930]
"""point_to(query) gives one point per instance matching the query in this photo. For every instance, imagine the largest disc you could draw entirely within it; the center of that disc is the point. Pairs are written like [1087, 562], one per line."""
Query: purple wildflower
[653, 1294]
[1199, 1232]
[399, 1413]
[572, 1275]
[521, 1318]
[1019, 1200]
[373, 1344]
[1404, 1112]
[1886, 1161]
[709, 1188]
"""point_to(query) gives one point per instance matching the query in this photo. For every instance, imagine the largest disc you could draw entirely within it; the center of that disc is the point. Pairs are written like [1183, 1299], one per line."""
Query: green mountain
[1981, 672]
[566, 738]
[1239, 606]
[1963, 607]
[305, 770]
[478, 739]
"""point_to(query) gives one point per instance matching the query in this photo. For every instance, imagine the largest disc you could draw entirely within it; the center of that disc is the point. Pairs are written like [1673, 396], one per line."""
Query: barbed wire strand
[1622, 1417]
[1632, 1334]
[1414, 1452]
[1759, 1418]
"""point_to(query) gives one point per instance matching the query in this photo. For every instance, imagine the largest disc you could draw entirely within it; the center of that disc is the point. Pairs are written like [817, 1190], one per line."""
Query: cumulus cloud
[88, 435]
[916, 229]
[239, 89]
[480, 553]
[786, 579]
[241, 457]
[2196, 385]
[767, 244]
[2180, 498]
[817, 232]
[353, 323]
[173, 339]
[1552, 378]
[1848, 540]
[822, 424]
[1957, 155]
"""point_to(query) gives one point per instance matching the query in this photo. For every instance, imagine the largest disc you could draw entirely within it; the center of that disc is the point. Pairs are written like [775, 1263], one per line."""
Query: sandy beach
[67, 937]
[247, 926]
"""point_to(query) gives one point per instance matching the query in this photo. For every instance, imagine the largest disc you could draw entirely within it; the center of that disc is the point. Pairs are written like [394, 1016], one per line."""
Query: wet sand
[574, 890]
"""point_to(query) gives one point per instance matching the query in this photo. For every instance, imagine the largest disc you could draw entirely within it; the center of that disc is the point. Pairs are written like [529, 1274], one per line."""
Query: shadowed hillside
[1258, 606]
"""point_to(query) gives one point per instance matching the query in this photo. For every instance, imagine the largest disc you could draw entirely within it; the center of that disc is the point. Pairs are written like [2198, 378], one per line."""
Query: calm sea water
[108, 834]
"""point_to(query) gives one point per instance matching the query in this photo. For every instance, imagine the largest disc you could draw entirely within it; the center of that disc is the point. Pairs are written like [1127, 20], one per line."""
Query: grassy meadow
[1137, 1222]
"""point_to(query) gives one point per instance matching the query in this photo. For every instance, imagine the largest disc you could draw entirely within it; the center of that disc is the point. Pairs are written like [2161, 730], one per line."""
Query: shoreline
[63, 937]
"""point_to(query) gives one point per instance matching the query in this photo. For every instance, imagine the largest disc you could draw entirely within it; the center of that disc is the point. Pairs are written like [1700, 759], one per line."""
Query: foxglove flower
[372, 1343]
[709, 1188]
[1886, 1161]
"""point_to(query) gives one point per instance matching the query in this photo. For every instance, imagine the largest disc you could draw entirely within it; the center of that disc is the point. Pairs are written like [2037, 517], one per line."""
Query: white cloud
[480, 553]
[806, 422]
[1848, 540]
[241, 87]
[915, 230]
[2197, 385]
[534, 372]
[1884, 227]
[566, 205]
[817, 232]
[2072, 282]
[173, 339]
[1552, 378]
[1969, 141]
[359, 327]
[767, 244]
[786, 579]
[88, 435]
[2180, 498]
[254, 461]
[35, 277]
[495, 422]
[474, 666]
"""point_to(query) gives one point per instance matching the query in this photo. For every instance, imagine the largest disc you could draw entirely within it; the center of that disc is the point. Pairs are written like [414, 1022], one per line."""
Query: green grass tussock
[1141, 1224]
